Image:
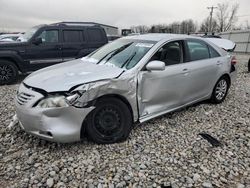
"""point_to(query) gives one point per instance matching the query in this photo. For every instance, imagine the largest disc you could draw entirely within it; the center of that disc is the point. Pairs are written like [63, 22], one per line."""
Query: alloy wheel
[6, 72]
[221, 89]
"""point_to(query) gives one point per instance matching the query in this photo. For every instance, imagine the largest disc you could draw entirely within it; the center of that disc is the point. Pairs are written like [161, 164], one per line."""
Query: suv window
[170, 53]
[95, 35]
[49, 36]
[197, 50]
[72, 36]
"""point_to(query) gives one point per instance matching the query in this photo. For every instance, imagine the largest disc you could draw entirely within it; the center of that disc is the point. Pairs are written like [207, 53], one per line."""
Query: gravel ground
[164, 152]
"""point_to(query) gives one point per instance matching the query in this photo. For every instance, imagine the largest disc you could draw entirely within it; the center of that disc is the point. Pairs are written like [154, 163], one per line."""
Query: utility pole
[211, 17]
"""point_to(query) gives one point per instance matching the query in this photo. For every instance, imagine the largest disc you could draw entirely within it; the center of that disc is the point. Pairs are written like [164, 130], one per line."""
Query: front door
[47, 53]
[160, 91]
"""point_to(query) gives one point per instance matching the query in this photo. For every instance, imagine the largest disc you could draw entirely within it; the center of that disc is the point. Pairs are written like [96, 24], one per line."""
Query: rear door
[96, 38]
[73, 43]
[47, 53]
[202, 70]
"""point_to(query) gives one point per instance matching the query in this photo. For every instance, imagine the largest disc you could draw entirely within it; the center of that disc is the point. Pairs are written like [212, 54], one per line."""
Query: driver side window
[170, 53]
[49, 36]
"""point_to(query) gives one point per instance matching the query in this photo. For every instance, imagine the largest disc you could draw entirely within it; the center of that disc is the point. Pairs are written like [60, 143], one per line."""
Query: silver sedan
[132, 79]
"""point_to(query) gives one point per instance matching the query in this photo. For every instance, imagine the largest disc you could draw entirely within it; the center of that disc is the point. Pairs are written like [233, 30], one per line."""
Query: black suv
[46, 45]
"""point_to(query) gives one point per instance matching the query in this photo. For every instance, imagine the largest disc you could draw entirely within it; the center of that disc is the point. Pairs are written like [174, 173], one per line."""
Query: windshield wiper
[114, 52]
[128, 60]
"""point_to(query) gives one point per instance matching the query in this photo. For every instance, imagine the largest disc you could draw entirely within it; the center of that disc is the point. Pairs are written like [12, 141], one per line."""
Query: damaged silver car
[132, 79]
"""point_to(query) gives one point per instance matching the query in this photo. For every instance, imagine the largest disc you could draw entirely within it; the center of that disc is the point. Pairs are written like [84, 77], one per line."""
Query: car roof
[160, 36]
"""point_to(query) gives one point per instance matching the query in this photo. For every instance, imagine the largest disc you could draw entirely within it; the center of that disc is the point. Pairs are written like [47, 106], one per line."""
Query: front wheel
[220, 90]
[8, 72]
[109, 122]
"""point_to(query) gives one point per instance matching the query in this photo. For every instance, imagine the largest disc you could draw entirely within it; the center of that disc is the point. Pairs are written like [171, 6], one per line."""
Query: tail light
[233, 60]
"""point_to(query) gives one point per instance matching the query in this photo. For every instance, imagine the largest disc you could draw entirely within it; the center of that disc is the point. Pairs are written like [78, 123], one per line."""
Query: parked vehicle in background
[132, 79]
[126, 32]
[9, 37]
[112, 37]
[46, 45]
[211, 36]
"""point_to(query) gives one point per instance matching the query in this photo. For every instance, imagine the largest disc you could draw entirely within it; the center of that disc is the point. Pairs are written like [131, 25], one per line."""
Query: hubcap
[107, 121]
[221, 89]
[6, 72]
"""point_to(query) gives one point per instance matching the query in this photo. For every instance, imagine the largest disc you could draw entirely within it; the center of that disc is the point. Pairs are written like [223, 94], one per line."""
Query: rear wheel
[220, 90]
[109, 122]
[8, 72]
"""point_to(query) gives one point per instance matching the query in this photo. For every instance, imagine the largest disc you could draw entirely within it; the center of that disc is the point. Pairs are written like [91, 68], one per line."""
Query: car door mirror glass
[155, 66]
[37, 41]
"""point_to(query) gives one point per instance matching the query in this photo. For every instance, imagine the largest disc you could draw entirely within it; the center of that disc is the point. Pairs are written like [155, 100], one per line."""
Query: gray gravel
[165, 151]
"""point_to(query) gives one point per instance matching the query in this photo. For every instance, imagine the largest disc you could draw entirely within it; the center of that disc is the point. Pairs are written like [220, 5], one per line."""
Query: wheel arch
[226, 75]
[13, 60]
[117, 96]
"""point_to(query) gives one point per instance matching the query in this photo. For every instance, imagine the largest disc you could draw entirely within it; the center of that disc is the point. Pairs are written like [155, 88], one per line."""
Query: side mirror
[155, 66]
[37, 41]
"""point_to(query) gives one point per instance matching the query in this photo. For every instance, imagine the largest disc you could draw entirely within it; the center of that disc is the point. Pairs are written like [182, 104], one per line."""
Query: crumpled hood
[64, 76]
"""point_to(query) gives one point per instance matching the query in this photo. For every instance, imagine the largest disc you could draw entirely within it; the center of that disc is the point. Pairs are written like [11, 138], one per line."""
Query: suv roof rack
[76, 24]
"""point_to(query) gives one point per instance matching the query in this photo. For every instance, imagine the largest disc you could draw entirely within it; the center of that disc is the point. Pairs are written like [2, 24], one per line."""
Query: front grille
[23, 98]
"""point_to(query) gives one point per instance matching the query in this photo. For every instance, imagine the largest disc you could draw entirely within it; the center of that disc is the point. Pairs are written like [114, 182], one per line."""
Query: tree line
[224, 19]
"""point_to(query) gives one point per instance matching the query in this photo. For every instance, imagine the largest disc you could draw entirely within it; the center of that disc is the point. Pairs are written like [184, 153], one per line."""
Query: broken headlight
[58, 101]
[68, 100]
[53, 102]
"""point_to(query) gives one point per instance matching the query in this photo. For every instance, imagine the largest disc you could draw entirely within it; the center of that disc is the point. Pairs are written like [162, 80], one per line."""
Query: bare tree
[187, 26]
[226, 16]
[140, 29]
[205, 25]
[247, 26]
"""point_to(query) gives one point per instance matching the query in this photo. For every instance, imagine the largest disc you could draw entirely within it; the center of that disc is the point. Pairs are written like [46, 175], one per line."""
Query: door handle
[218, 63]
[185, 71]
[59, 47]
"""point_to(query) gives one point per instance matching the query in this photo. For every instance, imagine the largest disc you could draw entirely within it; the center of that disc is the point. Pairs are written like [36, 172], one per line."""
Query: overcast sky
[19, 15]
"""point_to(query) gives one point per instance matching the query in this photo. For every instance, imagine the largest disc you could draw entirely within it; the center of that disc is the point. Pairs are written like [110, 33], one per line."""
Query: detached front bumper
[54, 124]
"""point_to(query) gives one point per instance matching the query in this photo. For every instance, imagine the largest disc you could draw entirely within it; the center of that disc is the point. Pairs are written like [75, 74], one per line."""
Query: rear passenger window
[72, 36]
[213, 52]
[95, 35]
[197, 50]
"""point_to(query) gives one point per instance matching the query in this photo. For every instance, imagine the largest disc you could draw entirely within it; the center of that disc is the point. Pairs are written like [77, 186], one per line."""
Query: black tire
[221, 86]
[8, 72]
[110, 122]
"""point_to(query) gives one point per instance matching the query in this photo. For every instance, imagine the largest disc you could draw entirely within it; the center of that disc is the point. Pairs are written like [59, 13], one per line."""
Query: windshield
[122, 53]
[28, 34]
